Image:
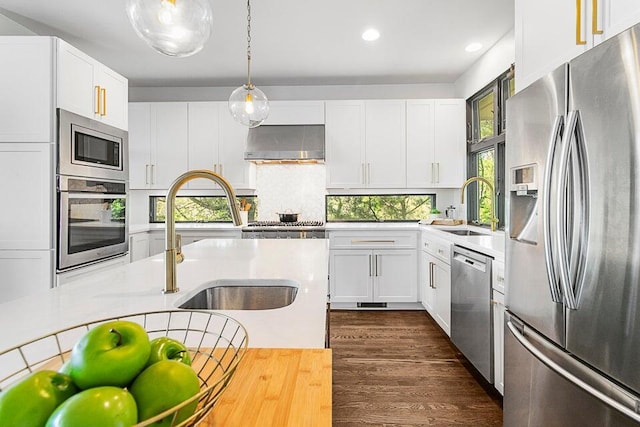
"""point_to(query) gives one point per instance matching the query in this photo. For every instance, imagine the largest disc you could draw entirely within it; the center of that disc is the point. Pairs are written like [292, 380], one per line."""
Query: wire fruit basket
[217, 343]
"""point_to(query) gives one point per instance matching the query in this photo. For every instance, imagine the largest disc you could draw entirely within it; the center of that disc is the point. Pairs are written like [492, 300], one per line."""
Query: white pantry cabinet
[89, 88]
[373, 267]
[26, 184]
[366, 145]
[551, 32]
[157, 144]
[26, 80]
[435, 279]
[25, 273]
[435, 143]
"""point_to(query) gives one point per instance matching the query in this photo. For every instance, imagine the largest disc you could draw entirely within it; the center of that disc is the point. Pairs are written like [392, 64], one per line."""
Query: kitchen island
[137, 287]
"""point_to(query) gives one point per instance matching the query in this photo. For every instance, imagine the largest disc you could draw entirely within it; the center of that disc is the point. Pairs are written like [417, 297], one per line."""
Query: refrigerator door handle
[560, 213]
[605, 391]
[554, 285]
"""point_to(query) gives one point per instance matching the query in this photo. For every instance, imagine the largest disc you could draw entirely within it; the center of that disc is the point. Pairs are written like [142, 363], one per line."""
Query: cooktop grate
[286, 224]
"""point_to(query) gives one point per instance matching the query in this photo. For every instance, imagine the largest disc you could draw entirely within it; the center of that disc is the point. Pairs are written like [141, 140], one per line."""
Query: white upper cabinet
[167, 139]
[90, 89]
[204, 125]
[435, 143]
[26, 78]
[295, 113]
[551, 32]
[345, 144]
[366, 144]
[217, 142]
[385, 136]
[157, 144]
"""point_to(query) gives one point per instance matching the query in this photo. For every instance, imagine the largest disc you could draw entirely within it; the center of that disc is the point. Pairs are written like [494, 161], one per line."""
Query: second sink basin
[250, 294]
[465, 232]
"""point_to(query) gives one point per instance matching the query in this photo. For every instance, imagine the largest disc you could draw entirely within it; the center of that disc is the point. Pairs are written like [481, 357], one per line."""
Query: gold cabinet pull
[594, 18]
[579, 40]
[103, 91]
[97, 109]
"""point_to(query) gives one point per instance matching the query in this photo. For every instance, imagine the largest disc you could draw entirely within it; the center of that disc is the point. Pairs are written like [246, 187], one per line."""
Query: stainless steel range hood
[286, 144]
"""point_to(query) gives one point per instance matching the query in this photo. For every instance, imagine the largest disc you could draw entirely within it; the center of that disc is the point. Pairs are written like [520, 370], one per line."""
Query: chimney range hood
[286, 144]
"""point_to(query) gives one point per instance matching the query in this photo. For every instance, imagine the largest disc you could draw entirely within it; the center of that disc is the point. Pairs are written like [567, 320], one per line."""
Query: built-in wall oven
[92, 183]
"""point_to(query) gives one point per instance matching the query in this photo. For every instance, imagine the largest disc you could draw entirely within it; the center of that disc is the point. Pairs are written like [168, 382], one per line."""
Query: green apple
[165, 348]
[162, 386]
[30, 401]
[96, 407]
[111, 354]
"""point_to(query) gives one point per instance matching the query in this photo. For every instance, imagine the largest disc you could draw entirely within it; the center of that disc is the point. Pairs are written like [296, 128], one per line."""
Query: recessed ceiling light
[473, 47]
[371, 34]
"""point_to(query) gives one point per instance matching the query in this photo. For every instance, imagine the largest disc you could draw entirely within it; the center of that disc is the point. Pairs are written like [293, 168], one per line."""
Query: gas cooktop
[286, 224]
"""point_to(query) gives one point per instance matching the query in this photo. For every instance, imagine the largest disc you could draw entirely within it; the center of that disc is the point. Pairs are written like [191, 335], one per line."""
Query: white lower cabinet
[157, 237]
[435, 279]
[24, 273]
[89, 270]
[138, 246]
[373, 267]
[498, 341]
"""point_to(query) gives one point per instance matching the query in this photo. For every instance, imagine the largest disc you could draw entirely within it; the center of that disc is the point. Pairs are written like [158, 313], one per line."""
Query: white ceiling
[294, 42]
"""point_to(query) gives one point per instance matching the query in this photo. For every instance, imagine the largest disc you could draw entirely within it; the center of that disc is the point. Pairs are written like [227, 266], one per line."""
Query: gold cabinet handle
[97, 109]
[103, 92]
[594, 18]
[579, 40]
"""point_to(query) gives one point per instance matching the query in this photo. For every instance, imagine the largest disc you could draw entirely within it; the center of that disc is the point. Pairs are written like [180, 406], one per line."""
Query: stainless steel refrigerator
[572, 341]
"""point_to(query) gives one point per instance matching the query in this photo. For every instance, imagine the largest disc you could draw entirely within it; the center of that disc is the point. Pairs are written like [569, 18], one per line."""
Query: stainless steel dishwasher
[471, 321]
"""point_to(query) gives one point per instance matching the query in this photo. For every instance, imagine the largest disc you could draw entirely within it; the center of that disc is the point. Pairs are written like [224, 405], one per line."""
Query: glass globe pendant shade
[172, 27]
[249, 105]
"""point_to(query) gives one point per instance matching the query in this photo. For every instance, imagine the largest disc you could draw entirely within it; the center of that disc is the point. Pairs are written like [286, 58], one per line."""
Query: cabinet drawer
[373, 239]
[439, 248]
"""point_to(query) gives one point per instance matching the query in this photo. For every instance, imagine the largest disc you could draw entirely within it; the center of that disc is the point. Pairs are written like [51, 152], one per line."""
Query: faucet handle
[179, 254]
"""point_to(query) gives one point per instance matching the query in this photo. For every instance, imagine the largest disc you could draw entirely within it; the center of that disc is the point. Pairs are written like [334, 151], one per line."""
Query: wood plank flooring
[398, 368]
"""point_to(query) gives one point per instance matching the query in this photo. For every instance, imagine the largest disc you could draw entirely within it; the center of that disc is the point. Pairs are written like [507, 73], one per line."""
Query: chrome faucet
[173, 251]
[494, 220]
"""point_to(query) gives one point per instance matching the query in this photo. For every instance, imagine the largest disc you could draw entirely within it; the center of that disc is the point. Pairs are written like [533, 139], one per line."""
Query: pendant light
[172, 27]
[248, 104]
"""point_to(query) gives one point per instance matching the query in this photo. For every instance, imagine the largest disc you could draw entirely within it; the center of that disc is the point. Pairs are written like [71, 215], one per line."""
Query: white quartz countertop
[490, 243]
[137, 288]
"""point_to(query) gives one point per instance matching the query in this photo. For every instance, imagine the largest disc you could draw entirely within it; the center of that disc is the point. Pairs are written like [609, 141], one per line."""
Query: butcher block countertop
[277, 387]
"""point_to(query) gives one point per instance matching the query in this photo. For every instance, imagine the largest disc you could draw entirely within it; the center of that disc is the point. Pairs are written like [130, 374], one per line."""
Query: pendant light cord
[249, 85]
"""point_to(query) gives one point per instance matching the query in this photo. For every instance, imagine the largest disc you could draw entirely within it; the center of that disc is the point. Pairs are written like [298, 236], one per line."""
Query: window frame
[499, 87]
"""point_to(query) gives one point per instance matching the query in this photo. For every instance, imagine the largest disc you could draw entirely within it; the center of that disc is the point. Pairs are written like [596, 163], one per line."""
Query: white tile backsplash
[291, 188]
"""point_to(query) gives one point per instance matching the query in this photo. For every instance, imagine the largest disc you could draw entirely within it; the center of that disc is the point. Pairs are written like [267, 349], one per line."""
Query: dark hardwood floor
[398, 368]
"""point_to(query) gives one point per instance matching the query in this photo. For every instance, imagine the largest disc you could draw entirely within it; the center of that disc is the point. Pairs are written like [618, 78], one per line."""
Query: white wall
[12, 28]
[406, 91]
[494, 62]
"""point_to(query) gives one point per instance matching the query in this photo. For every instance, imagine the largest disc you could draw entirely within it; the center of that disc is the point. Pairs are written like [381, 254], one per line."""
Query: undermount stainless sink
[249, 294]
[465, 233]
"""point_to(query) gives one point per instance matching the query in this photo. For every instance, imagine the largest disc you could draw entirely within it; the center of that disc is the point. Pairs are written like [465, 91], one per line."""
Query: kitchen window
[486, 125]
[371, 207]
[200, 209]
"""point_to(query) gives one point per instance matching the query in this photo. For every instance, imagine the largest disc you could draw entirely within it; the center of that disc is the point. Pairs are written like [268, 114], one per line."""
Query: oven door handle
[95, 196]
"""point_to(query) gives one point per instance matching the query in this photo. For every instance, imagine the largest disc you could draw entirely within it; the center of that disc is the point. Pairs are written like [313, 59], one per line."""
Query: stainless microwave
[91, 149]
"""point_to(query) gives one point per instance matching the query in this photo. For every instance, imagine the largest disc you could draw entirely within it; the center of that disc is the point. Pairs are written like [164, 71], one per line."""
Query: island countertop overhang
[137, 288]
